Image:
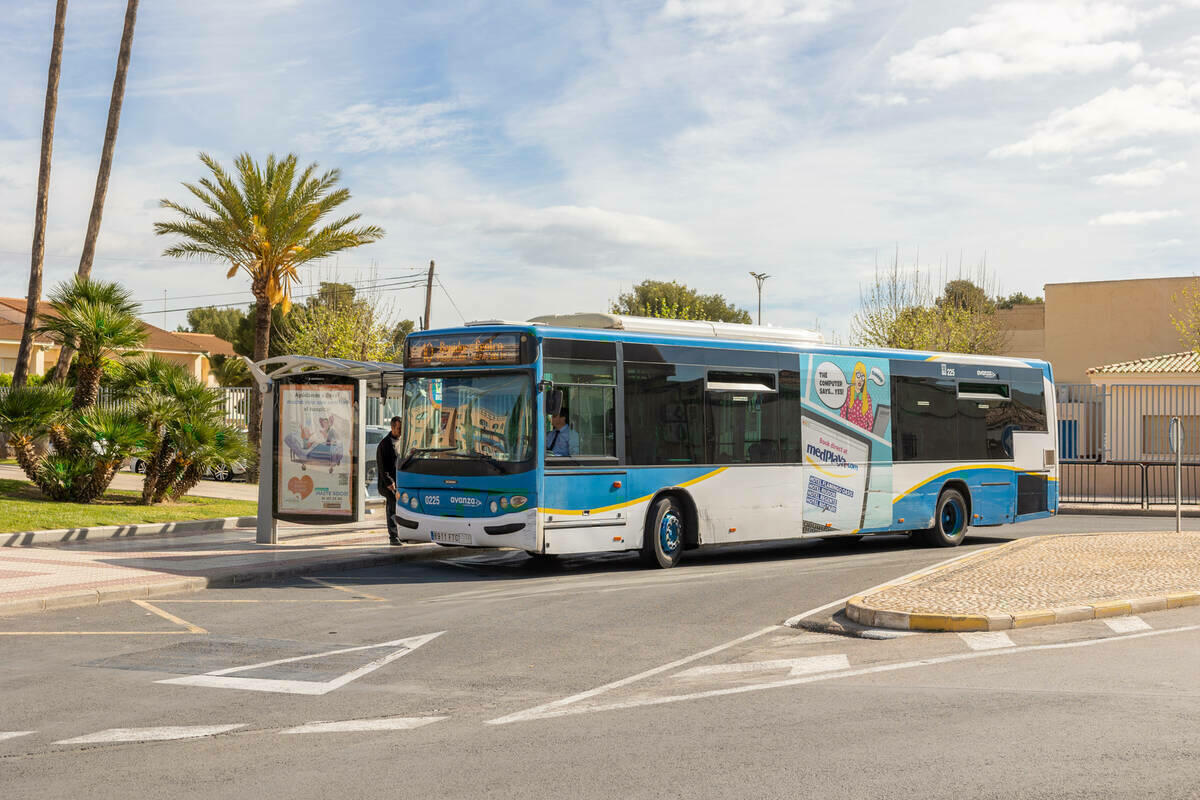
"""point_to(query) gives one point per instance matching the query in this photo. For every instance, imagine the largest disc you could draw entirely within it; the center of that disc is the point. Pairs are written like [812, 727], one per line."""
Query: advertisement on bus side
[847, 444]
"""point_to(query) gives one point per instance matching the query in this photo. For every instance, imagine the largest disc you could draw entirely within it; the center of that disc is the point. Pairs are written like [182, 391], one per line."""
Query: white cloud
[1143, 71]
[1169, 107]
[366, 127]
[1128, 153]
[1020, 39]
[720, 16]
[1134, 217]
[1153, 174]
[881, 100]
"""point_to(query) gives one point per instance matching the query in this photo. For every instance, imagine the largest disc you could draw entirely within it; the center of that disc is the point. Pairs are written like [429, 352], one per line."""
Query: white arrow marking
[350, 725]
[795, 666]
[223, 678]
[987, 640]
[151, 734]
[13, 734]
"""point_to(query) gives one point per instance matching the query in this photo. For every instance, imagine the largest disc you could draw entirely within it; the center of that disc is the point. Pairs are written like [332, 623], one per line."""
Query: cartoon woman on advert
[857, 408]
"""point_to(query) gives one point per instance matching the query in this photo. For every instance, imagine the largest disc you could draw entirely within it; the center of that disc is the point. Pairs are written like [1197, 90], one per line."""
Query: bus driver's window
[586, 426]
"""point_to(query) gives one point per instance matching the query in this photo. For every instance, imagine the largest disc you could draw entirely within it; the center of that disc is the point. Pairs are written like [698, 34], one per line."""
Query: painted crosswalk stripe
[1126, 624]
[987, 640]
[352, 725]
[13, 734]
[151, 734]
[795, 666]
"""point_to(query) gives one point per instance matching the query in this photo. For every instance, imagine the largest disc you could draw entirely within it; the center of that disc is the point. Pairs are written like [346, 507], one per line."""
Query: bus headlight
[504, 502]
[519, 501]
[404, 499]
[493, 506]
[413, 503]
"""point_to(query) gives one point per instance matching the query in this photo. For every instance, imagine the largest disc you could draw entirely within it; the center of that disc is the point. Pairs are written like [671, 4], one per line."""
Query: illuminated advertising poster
[316, 450]
[847, 444]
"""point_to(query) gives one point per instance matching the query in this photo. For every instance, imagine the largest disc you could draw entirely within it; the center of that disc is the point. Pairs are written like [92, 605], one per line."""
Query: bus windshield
[474, 424]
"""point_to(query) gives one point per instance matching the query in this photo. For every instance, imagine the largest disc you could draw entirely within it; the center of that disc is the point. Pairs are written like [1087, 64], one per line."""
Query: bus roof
[733, 335]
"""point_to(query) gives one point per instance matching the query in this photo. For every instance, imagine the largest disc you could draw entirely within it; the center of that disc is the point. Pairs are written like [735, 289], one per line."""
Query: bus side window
[589, 390]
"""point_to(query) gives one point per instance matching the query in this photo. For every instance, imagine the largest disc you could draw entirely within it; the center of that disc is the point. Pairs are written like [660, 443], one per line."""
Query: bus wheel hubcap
[951, 518]
[668, 532]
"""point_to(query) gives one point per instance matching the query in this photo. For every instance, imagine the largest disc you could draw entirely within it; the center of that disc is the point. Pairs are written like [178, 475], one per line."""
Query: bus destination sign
[461, 349]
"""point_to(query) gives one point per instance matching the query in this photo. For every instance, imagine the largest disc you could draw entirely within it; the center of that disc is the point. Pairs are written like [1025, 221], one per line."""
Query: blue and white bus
[685, 434]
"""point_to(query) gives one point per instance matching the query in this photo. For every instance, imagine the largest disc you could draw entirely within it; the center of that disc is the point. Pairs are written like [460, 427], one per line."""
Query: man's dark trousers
[393, 528]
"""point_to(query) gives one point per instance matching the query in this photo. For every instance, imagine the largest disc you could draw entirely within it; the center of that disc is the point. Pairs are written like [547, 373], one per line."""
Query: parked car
[374, 434]
[225, 472]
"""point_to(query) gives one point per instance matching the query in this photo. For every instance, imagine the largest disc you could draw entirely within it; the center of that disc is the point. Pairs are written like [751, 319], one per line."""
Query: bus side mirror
[554, 402]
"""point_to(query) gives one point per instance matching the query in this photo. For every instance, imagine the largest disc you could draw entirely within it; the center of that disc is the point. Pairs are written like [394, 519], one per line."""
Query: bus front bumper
[518, 529]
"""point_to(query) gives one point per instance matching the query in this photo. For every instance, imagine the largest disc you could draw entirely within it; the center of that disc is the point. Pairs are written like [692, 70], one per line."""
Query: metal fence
[1114, 445]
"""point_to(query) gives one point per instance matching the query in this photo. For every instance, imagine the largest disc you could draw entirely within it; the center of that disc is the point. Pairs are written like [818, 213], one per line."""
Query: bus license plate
[451, 538]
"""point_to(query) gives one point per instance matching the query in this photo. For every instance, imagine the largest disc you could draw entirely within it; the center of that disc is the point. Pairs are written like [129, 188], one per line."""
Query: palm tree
[98, 318]
[43, 193]
[106, 159]
[265, 221]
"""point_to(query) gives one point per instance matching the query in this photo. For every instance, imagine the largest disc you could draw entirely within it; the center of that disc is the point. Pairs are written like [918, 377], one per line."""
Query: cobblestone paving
[1053, 571]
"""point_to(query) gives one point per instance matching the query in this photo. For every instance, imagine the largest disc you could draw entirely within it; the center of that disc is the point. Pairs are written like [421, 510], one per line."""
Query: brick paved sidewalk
[44, 578]
[1040, 581]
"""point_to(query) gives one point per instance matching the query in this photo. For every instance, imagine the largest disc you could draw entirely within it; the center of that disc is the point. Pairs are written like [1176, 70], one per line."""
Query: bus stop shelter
[312, 465]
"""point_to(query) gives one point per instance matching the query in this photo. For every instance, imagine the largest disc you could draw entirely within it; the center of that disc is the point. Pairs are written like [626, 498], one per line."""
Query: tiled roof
[157, 339]
[1187, 361]
[213, 345]
[11, 332]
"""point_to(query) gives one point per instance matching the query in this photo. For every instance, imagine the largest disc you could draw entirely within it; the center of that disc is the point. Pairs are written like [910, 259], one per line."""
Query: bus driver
[561, 440]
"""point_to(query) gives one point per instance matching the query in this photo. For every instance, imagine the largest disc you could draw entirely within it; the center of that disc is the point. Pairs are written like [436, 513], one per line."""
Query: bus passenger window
[589, 404]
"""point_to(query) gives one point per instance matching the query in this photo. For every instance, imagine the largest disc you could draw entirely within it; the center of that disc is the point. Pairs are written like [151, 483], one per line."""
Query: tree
[224, 323]
[99, 319]
[1018, 299]
[1186, 318]
[186, 431]
[266, 222]
[677, 301]
[106, 159]
[21, 371]
[90, 443]
[899, 310]
[337, 323]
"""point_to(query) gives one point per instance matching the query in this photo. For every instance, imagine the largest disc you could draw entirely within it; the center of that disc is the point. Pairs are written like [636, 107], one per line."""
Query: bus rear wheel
[662, 544]
[949, 520]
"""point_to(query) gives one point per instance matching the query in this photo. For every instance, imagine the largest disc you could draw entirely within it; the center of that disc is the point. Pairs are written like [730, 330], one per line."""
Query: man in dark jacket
[386, 457]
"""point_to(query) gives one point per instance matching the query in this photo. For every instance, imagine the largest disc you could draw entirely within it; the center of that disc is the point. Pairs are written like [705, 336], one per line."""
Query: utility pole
[759, 277]
[428, 295]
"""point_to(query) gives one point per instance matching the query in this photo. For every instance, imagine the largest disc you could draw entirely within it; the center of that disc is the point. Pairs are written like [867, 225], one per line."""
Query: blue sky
[549, 156]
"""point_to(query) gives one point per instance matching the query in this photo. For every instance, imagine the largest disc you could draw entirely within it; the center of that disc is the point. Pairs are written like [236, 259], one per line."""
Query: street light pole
[759, 277]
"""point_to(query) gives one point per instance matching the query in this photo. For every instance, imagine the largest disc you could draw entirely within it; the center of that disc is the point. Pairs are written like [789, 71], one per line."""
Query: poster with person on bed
[316, 464]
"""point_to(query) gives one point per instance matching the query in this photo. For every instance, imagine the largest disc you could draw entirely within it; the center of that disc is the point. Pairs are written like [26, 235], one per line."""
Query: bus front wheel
[662, 544]
[949, 520]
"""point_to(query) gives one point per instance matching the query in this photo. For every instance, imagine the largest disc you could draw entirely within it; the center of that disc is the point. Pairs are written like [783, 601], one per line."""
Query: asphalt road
[497, 676]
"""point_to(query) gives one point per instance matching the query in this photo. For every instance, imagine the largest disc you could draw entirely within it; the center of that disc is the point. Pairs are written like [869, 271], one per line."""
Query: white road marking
[151, 734]
[884, 633]
[925, 662]
[350, 725]
[795, 666]
[555, 707]
[13, 734]
[223, 678]
[1127, 624]
[987, 640]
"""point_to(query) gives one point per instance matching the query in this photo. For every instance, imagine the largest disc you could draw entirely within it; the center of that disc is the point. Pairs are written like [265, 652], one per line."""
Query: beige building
[192, 350]
[1087, 324]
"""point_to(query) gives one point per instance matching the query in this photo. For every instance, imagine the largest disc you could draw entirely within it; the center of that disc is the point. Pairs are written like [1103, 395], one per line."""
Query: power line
[438, 278]
[365, 289]
[363, 283]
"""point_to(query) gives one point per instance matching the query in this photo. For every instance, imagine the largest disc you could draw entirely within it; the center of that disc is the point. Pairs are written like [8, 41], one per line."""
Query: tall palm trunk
[21, 371]
[87, 386]
[106, 159]
[262, 347]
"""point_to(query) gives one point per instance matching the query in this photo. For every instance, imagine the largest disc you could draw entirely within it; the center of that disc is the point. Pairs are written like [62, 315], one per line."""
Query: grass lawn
[24, 508]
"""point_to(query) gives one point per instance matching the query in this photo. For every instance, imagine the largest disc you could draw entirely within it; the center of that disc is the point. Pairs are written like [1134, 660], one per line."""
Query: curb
[857, 609]
[78, 535]
[195, 583]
